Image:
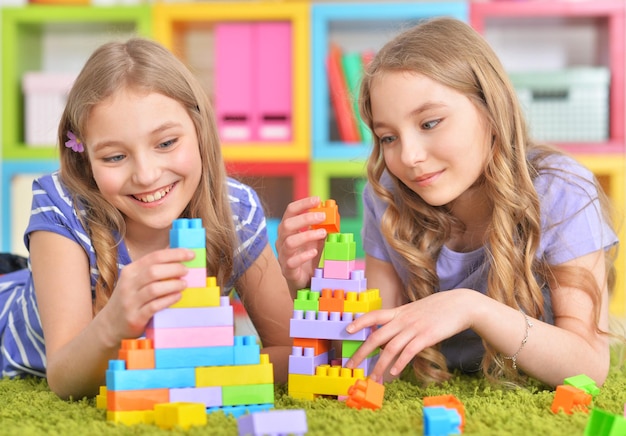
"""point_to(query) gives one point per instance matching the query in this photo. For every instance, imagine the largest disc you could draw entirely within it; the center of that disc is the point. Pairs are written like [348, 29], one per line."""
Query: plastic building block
[367, 365]
[137, 353]
[331, 301]
[324, 325]
[306, 300]
[187, 233]
[338, 269]
[603, 423]
[248, 394]
[194, 356]
[140, 399]
[209, 396]
[236, 375]
[131, 417]
[348, 348]
[340, 246]
[188, 337]
[101, 398]
[237, 411]
[449, 402]
[583, 382]
[273, 423]
[366, 394]
[246, 350]
[328, 380]
[357, 282]
[194, 316]
[195, 277]
[118, 378]
[569, 399]
[440, 421]
[304, 361]
[319, 345]
[183, 415]
[332, 223]
[208, 296]
[363, 302]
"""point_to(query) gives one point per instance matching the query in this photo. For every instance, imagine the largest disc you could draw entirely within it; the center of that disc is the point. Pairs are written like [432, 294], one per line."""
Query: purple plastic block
[367, 365]
[357, 282]
[323, 325]
[210, 396]
[193, 317]
[304, 361]
[273, 423]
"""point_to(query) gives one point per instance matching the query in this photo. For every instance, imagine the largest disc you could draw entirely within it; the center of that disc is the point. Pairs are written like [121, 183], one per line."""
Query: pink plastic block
[209, 396]
[195, 277]
[357, 282]
[194, 316]
[322, 325]
[338, 269]
[273, 72]
[273, 422]
[304, 361]
[234, 88]
[191, 337]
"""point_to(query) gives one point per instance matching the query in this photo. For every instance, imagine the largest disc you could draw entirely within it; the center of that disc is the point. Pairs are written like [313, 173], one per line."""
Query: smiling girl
[139, 149]
[491, 253]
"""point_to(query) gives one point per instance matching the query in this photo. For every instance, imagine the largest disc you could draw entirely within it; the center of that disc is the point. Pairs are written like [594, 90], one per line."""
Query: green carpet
[28, 407]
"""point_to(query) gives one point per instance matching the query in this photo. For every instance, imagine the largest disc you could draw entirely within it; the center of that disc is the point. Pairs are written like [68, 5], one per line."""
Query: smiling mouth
[155, 196]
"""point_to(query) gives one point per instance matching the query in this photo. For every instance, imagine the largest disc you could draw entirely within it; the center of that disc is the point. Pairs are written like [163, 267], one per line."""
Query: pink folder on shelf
[234, 84]
[273, 60]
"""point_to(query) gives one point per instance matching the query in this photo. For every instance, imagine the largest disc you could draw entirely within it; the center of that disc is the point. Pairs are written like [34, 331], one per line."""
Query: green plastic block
[307, 300]
[348, 348]
[248, 394]
[340, 246]
[584, 383]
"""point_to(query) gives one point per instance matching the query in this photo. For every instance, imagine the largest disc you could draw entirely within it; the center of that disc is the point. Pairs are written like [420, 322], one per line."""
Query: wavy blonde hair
[453, 54]
[144, 65]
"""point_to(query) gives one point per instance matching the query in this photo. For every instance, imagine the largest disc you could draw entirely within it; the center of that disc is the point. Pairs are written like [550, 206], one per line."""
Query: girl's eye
[115, 158]
[385, 140]
[168, 144]
[430, 124]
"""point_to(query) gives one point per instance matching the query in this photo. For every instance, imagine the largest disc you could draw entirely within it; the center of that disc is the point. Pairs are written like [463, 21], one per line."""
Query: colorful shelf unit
[264, 72]
[26, 33]
[17, 198]
[363, 27]
[604, 22]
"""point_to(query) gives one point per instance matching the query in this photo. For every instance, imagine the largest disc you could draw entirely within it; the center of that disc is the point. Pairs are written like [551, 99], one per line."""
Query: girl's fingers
[371, 319]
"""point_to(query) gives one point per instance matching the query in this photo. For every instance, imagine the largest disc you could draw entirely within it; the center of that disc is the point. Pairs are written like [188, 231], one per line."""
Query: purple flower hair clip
[74, 143]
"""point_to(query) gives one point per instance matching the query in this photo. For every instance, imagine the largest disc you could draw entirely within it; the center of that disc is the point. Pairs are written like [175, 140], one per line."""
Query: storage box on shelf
[259, 54]
[357, 28]
[546, 39]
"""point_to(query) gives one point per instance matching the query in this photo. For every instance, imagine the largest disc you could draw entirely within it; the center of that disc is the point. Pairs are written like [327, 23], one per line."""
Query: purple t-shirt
[571, 226]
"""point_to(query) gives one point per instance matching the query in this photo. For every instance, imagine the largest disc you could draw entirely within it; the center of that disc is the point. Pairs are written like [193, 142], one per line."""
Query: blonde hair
[144, 65]
[453, 54]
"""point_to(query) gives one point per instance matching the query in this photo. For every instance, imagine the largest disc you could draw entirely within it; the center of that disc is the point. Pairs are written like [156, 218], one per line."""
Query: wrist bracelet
[529, 325]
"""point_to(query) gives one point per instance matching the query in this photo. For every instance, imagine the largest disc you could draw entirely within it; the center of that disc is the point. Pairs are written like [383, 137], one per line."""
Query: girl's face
[432, 137]
[145, 156]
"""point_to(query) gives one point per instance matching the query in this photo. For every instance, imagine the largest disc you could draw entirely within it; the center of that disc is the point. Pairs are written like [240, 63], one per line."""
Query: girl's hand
[299, 248]
[145, 287]
[406, 330]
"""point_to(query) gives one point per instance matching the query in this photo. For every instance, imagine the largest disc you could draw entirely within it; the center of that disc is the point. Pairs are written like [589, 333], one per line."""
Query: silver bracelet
[529, 325]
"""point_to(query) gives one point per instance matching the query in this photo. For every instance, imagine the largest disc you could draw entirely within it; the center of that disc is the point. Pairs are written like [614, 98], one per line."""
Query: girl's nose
[146, 170]
[413, 152]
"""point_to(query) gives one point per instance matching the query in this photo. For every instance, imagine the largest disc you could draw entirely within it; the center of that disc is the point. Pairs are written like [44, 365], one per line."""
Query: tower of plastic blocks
[190, 363]
[337, 295]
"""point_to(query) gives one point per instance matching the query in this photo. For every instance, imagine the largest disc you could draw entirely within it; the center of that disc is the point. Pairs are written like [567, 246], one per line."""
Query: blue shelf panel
[11, 169]
[325, 17]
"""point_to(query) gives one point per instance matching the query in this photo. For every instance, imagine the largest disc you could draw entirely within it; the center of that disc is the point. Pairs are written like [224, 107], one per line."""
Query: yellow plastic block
[363, 301]
[101, 398]
[183, 415]
[261, 373]
[328, 380]
[201, 297]
[131, 417]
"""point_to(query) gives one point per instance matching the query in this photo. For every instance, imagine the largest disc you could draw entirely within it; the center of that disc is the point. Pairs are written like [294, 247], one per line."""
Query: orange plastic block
[319, 345]
[332, 222]
[569, 399]
[138, 353]
[449, 402]
[142, 399]
[332, 301]
[183, 415]
[366, 394]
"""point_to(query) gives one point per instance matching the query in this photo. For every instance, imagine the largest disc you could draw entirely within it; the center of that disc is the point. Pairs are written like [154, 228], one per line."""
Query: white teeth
[154, 197]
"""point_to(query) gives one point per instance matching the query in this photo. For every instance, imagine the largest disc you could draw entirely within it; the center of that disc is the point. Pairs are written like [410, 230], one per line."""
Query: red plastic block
[366, 394]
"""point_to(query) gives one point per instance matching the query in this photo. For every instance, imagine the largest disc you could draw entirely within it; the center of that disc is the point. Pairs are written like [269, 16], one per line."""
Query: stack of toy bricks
[338, 294]
[189, 363]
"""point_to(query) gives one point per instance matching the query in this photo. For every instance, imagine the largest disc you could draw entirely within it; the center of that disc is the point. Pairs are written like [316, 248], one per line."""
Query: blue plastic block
[167, 358]
[440, 421]
[129, 380]
[238, 411]
[246, 350]
[187, 233]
